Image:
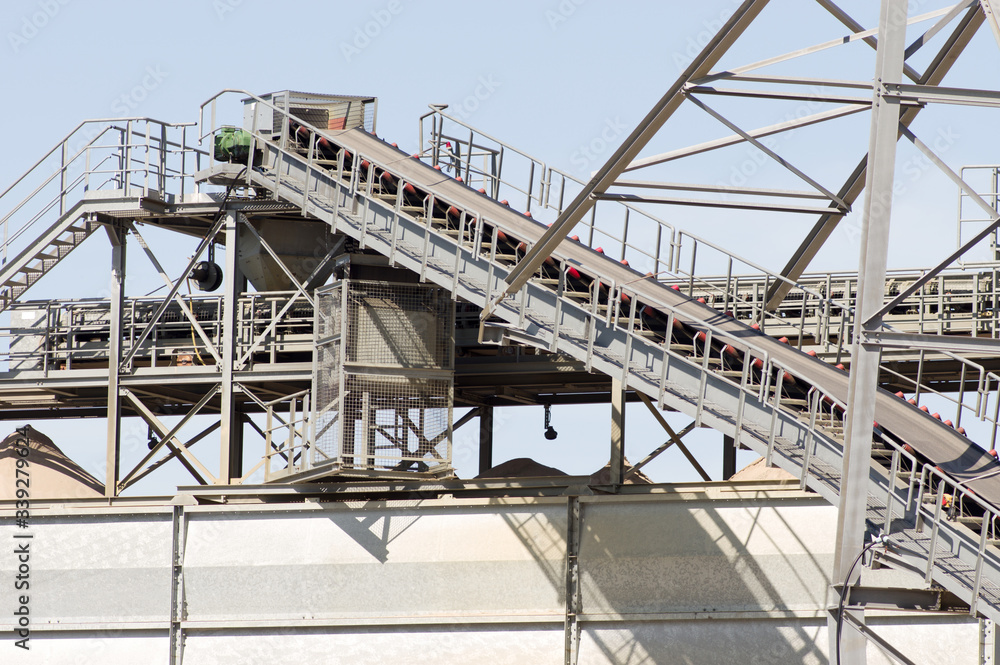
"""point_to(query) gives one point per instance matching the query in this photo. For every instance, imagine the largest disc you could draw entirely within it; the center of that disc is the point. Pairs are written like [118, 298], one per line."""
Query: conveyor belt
[952, 452]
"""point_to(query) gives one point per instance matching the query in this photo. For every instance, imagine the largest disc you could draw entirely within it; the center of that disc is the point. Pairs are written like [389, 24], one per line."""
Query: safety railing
[287, 434]
[74, 334]
[985, 181]
[133, 156]
[618, 229]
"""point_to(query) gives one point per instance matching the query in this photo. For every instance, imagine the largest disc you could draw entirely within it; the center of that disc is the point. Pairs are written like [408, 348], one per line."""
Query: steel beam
[231, 432]
[863, 380]
[485, 438]
[978, 346]
[674, 437]
[117, 236]
[740, 20]
[825, 225]
[617, 432]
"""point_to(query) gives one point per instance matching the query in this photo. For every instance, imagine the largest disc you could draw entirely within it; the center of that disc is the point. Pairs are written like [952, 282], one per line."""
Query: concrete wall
[700, 574]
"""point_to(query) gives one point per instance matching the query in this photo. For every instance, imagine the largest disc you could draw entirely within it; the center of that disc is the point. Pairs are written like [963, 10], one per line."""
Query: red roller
[949, 423]
[811, 353]
[504, 203]
[527, 213]
[757, 363]
[961, 430]
[912, 400]
[841, 367]
[783, 340]
[454, 212]
[625, 262]
[394, 145]
[437, 167]
[994, 453]
[908, 448]
[730, 351]
[788, 378]
[701, 300]
[728, 313]
[676, 287]
[700, 336]
[576, 238]
[936, 416]
[458, 178]
[409, 189]
[755, 326]
[482, 190]
[925, 409]
[599, 250]
[901, 395]
[875, 424]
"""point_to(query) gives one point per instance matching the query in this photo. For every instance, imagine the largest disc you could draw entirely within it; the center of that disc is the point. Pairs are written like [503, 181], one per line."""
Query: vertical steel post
[862, 385]
[117, 237]
[231, 430]
[617, 432]
[485, 438]
[728, 457]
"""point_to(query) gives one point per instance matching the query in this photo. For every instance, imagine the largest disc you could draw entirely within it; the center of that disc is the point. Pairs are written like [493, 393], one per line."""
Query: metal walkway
[782, 403]
[934, 492]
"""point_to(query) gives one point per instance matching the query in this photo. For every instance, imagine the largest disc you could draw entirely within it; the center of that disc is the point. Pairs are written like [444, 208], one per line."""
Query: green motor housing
[232, 144]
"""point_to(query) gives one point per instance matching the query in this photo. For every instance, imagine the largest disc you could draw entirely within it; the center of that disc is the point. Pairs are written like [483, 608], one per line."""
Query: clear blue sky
[547, 76]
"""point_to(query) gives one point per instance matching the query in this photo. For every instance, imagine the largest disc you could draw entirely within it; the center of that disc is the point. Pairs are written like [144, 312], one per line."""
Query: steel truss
[894, 106]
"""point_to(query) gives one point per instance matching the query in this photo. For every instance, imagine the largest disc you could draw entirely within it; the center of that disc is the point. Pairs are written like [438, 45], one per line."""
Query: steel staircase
[44, 254]
[785, 405]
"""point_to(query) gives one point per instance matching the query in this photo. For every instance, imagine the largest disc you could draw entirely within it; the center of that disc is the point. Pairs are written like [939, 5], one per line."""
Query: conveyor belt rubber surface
[951, 451]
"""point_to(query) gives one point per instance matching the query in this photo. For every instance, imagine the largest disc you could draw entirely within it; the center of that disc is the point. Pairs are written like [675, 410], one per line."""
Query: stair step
[64, 243]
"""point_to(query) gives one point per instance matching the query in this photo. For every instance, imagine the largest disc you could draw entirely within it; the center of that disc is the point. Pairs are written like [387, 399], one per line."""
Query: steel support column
[728, 457]
[117, 236]
[485, 438]
[617, 432]
[863, 381]
[231, 431]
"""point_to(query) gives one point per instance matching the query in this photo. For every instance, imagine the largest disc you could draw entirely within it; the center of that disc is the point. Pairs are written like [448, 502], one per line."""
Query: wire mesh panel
[383, 378]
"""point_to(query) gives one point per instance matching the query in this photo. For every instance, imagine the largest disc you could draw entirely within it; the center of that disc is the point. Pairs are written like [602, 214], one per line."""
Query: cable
[187, 279]
[878, 540]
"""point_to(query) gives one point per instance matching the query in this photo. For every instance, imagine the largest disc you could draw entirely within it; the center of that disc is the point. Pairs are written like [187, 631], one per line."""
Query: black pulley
[207, 275]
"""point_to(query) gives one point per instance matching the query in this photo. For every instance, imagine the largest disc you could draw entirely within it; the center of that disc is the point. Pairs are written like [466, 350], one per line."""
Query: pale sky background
[549, 77]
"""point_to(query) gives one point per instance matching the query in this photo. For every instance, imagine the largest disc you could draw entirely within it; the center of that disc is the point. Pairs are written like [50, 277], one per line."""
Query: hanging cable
[881, 539]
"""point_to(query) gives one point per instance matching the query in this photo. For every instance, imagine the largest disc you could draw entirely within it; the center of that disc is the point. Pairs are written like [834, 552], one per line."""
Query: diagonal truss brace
[168, 437]
[737, 23]
[951, 258]
[309, 283]
[206, 340]
[674, 438]
[281, 264]
[770, 153]
[147, 331]
[946, 57]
